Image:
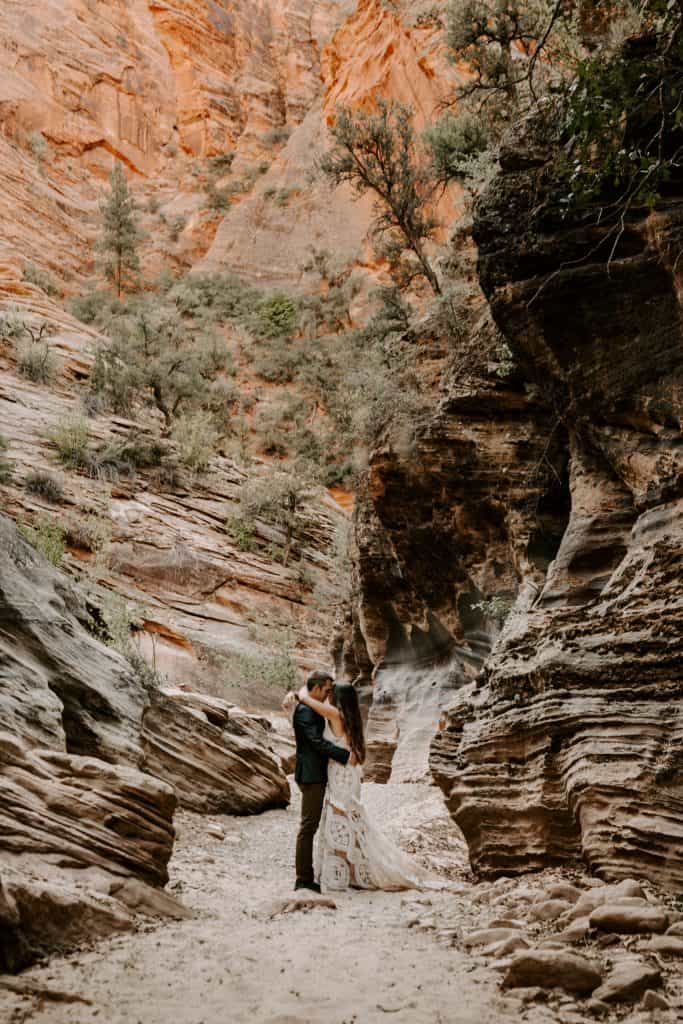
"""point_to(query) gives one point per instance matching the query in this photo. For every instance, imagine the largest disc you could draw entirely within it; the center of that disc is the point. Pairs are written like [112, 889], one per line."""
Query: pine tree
[120, 238]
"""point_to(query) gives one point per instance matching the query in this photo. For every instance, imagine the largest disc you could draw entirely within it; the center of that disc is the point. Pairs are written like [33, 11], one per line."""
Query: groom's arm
[307, 725]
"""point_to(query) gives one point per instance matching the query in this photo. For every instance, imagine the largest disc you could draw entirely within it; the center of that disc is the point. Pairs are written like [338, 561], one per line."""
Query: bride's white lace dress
[351, 850]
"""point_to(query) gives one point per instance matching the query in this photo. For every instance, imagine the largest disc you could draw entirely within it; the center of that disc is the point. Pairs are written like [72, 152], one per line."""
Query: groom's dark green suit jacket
[312, 751]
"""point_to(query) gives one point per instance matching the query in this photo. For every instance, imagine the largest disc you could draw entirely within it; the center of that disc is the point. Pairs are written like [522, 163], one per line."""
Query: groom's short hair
[318, 678]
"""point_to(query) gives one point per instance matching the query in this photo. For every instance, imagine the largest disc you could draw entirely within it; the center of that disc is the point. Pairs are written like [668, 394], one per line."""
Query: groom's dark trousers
[312, 754]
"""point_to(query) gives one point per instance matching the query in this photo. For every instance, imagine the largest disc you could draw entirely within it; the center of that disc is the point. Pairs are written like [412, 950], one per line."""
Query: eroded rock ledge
[92, 765]
[571, 743]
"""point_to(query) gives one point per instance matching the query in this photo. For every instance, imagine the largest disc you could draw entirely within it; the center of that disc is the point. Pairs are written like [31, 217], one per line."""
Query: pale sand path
[232, 963]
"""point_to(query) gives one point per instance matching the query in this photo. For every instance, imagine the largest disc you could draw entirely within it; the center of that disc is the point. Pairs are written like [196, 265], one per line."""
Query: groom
[312, 753]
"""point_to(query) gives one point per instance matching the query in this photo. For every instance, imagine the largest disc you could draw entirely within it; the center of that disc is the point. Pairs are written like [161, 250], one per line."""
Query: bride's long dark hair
[346, 702]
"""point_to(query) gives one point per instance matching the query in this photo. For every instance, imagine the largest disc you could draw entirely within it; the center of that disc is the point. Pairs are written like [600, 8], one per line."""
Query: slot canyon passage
[341, 334]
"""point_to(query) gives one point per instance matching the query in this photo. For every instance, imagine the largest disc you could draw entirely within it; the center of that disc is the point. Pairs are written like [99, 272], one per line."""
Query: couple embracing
[330, 749]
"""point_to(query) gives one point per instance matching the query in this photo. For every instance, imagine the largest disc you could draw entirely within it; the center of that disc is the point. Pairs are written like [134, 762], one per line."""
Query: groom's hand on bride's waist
[353, 759]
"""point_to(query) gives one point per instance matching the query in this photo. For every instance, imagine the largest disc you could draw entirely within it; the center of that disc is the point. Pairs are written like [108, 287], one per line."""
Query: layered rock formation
[145, 83]
[377, 51]
[73, 831]
[61, 688]
[218, 759]
[164, 88]
[170, 553]
[572, 743]
[442, 535]
[89, 773]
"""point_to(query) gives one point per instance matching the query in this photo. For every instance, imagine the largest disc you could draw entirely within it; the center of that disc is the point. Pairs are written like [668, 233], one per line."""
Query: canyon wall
[93, 761]
[448, 535]
[166, 88]
[377, 52]
[163, 88]
[570, 744]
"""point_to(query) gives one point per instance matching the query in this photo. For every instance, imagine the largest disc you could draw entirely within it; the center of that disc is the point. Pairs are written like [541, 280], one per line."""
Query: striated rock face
[374, 52]
[378, 52]
[170, 553]
[160, 86]
[475, 509]
[72, 830]
[83, 812]
[218, 759]
[59, 687]
[572, 743]
[75, 812]
[164, 87]
[92, 765]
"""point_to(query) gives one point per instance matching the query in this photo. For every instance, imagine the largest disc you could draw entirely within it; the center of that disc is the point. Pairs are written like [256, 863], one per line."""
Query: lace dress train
[352, 851]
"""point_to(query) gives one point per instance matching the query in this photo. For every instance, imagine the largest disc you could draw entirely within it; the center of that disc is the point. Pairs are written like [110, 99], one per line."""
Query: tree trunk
[426, 267]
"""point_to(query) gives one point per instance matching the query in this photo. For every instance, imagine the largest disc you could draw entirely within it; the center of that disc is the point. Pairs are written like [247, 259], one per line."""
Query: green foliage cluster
[37, 144]
[242, 533]
[220, 164]
[95, 306]
[623, 117]
[6, 466]
[154, 357]
[275, 316]
[214, 298]
[35, 359]
[71, 438]
[120, 621]
[165, 349]
[350, 390]
[274, 671]
[379, 153]
[12, 324]
[327, 310]
[276, 362]
[274, 498]
[90, 533]
[600, 82]
[47, 536]
[497, 608]
[42, 279]
[195, 435]
[218, 199]
[45, 485]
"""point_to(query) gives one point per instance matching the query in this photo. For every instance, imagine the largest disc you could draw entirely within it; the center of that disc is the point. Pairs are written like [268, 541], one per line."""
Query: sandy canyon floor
[376, 957]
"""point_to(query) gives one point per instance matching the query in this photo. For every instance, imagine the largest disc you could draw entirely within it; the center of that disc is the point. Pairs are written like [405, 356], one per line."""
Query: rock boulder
[218, 759]
[552, 968]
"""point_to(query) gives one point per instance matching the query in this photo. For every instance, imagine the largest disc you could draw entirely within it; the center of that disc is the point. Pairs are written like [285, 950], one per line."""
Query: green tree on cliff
[601, 81]
[378, 153]
[120, 238]
[512, 52]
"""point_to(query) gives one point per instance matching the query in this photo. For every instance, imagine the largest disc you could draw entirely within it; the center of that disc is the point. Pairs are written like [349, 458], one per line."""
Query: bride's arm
[326, 710]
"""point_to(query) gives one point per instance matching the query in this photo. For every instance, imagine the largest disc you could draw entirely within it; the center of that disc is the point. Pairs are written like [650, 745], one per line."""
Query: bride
[351, 849]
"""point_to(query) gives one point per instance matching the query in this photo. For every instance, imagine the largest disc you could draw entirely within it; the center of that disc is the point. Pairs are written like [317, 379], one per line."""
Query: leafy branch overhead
[597, 85]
